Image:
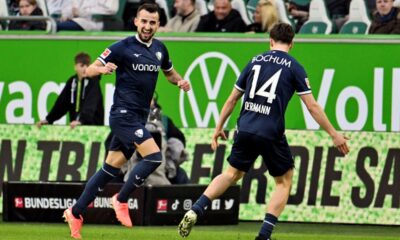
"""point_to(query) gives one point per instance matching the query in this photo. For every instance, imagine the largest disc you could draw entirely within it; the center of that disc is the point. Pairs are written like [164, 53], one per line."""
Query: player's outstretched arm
[319, 115]
[174, 78]
[97, 68]
[225, 113]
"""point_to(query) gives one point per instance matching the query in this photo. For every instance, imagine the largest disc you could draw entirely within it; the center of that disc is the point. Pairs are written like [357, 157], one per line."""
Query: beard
[146, 37]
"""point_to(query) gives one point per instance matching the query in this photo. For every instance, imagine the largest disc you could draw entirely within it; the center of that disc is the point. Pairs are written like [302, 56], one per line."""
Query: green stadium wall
[356, 80]
[361, 188]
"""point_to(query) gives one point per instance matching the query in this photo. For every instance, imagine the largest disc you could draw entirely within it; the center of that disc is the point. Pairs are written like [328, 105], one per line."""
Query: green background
[346, 212]
[42, 59]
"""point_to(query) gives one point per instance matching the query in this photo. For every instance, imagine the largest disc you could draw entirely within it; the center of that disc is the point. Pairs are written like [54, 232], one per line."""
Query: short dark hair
[31, 2]
[150, 7]
[83, 58]
[282, 32]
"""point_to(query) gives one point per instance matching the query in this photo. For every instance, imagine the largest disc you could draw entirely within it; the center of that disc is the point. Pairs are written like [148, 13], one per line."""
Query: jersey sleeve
[302, 85]
[110, 54]
[166, 63]
[242, 80]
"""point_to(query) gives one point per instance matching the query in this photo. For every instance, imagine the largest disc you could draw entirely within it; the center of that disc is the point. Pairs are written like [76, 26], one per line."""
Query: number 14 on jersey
[272, 82]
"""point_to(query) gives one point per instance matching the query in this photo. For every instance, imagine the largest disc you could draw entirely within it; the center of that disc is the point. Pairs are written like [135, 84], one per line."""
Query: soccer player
[136, 61]
[267, 83]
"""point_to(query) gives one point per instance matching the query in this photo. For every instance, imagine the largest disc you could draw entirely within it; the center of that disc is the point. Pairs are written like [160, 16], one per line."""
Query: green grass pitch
[243, 231]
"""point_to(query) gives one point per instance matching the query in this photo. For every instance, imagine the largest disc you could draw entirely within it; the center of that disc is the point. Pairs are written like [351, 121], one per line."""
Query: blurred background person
[77, 15]
[131, 8]
[12, 7]
[386, 19]
[81, 98]
[172, 143]
[186, 19]
[28, 8]
[223, 19]
[55, 7]
[371, 5]
[265, 17]
[338, 11]
[175, 153]
[299, 13]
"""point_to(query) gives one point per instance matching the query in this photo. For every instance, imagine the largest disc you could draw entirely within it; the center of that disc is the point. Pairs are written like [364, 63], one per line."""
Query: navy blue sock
[139, 173]
[201, 205]
[95, 184]
[267, 227]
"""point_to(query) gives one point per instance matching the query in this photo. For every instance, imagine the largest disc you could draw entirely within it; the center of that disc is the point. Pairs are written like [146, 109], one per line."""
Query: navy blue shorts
[275, 153]
[127, 130]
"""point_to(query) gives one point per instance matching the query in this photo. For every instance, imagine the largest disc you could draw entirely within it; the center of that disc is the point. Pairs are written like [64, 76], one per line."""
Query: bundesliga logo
[106, 53]
[162, 205]
[19, 202]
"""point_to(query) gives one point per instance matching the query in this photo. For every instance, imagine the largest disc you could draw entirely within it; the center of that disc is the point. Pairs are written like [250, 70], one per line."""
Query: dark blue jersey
[268, 83]
[136, 76]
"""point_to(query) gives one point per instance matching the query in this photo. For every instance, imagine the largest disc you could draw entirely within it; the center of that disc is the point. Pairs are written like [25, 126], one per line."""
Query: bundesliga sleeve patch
[105, 53]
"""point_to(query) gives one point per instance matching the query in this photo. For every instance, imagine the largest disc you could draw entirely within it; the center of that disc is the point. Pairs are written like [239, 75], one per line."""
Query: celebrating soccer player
[136, 61]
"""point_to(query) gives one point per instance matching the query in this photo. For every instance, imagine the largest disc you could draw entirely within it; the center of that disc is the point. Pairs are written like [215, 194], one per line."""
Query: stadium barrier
[51, 29]
[361, 188]
[354, 78]
[46, 202]
[150, 205]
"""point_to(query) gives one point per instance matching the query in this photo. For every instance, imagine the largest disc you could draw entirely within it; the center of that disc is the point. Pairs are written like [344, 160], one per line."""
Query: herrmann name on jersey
[258, 108]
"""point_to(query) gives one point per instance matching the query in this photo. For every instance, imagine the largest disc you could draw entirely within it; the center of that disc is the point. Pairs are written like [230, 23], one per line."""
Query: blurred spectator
[130, 14]
[222, 19]
[299, 13]
[338, 11]
[172, 144]
[77, 15]
[171, 131]
[371, 5]
[386, 20]
[55, 6]
[28, 8]
[12, 7]
[175, 153]
[186, 19]
[81, 98]
[265, 17]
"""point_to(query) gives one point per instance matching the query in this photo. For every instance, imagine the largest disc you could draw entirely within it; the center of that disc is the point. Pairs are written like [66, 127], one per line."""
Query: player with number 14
[267, 83]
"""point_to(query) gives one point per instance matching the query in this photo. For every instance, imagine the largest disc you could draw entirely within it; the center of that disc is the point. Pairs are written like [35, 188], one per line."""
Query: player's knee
[155, 159]
[113, 163]
[286, 185]
[285, 181]
[116, 160]
[234, 176]
[288, 177]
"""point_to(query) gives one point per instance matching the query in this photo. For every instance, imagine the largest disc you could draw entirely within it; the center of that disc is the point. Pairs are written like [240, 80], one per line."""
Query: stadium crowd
[250, 16]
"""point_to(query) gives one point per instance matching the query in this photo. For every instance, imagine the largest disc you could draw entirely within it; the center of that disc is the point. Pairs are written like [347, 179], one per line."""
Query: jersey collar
[148, 44]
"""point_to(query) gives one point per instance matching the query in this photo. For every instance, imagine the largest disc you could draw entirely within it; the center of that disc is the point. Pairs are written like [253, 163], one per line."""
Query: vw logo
[211, 69]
